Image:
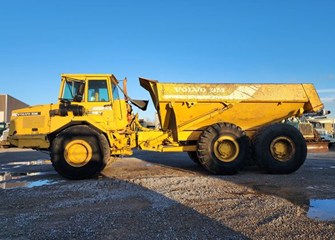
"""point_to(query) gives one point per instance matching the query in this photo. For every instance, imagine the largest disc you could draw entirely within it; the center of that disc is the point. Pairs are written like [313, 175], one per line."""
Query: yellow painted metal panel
[31, 120]
[314, 103]
[249, 106]
[34, 122]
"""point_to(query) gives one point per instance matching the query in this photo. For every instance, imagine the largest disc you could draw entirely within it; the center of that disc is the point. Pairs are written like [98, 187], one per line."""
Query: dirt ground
[164, 196]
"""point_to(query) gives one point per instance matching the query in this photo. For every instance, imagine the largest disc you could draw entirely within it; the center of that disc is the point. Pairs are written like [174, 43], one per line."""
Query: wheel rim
[226, 148]
[77, 153]
[282, 149]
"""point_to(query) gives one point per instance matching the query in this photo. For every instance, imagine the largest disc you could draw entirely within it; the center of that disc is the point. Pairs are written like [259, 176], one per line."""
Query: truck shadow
[283, 186]
[25, 168]
[101, 208]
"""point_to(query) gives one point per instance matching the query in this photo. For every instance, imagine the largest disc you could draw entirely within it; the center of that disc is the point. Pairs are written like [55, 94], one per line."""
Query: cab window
[71, 89]
[98, 91]
[115, 93]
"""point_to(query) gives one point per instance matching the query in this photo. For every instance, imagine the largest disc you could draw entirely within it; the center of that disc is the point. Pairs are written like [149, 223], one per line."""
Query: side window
[115, 93]
[97, 91]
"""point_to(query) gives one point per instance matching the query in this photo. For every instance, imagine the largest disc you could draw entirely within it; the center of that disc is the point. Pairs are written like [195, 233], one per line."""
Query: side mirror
[141, 104]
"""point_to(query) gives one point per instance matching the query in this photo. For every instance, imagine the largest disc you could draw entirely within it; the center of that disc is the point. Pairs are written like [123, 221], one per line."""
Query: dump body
[193, 107]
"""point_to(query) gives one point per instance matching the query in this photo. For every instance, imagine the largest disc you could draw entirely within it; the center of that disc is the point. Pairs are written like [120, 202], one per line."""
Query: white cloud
[328, 99]
[326, 90]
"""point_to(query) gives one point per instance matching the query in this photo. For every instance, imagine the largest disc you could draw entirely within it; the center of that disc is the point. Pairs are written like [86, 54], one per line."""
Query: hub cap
[226, 148]
[282, 148]
[77, 153]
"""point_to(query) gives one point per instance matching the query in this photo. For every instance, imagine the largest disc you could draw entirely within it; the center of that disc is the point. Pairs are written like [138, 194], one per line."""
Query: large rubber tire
[223, 148]
[279, 148]
[79, 152]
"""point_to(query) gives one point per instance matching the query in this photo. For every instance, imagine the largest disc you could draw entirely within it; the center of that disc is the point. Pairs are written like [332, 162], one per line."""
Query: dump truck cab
[89, 123]
[84, 99]
[95, 96]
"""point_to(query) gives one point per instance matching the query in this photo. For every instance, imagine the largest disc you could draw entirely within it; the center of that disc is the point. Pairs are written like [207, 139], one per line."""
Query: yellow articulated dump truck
[220, 126]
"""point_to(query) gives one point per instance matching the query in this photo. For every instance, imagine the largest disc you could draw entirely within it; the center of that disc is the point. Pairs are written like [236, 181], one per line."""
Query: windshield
[71, 89]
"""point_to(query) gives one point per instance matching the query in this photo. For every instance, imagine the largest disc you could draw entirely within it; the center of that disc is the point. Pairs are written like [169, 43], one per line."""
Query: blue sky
[290, 41]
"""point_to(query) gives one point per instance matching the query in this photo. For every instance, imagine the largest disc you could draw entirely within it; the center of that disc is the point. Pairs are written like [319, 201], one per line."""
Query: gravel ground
[163, 196]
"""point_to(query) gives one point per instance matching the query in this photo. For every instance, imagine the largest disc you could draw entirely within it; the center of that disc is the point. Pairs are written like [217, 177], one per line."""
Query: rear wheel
[223, 148]
[279, 148]
[79, 152]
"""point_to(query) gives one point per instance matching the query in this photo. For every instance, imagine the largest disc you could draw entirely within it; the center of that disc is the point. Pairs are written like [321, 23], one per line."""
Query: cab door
[103, 104]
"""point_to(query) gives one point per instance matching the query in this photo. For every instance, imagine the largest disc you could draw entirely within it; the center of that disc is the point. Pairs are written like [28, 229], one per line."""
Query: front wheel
[79, 152]
[279, 148]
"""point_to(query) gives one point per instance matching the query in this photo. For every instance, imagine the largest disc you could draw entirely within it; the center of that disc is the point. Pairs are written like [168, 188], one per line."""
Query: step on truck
[222, 126]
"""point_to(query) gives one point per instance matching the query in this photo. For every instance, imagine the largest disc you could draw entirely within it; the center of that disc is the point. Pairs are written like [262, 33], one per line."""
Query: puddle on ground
[131, 162]
[5, 176]
[26, 184]
[28, 163]
[322, 209]
[318, 209]
[21, 180]
[10, 178]
[11, 165]
[39, 183]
